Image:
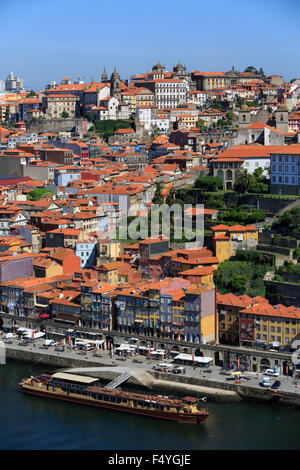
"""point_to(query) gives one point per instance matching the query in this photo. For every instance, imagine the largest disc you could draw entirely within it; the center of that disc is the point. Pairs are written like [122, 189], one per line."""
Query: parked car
[271, 372]
[50, 342]
[276, 384]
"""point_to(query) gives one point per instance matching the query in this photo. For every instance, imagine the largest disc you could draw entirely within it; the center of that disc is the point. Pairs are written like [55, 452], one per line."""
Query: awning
[125, 347]
[193, 358]
[74, 378]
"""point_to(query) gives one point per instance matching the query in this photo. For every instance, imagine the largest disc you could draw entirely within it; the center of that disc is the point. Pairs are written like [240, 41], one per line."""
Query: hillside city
[84, 165]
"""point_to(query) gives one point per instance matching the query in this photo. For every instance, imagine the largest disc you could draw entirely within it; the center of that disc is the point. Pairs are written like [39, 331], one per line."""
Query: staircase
[119, 380]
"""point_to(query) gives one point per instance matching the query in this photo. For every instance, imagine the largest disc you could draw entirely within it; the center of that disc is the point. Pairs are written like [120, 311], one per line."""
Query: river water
[28, 422]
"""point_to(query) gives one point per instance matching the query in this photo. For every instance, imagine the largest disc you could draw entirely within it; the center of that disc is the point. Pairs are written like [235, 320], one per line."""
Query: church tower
[115, 85]
[104, 77]
[282, 118]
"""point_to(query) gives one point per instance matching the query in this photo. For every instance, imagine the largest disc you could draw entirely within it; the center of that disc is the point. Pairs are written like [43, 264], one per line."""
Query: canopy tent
[192, 358]
[157, 353]
[34, 335]
[126, 347]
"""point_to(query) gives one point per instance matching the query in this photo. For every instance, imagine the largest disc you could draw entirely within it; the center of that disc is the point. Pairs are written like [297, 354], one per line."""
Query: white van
[266, 382]
[271, 372]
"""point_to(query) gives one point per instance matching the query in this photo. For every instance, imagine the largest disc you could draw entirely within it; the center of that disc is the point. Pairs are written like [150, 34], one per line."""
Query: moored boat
[87, 390]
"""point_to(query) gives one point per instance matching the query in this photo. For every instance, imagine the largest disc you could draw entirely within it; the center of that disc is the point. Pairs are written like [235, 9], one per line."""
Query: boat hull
[182, 418]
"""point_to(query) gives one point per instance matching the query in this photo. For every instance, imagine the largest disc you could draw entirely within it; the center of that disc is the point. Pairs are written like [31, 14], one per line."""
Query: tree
[32, 93]
[240, 101]
[201, 124]
[39, 193]
[89, 115]
[109, 127]
[238, 282]
[158, 198]
[258, 172]
[243, 181]
[258, 187]
[64, 114]
[250, 69]
[230, 115]
[209, 183]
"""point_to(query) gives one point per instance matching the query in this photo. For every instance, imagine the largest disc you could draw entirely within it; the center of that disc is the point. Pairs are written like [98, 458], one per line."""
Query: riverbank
[196, 381]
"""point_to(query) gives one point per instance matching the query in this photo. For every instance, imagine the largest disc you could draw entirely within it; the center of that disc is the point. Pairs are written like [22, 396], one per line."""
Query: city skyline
[50, 43]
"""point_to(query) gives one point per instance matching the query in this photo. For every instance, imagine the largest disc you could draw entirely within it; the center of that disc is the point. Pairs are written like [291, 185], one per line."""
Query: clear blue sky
[44, 41]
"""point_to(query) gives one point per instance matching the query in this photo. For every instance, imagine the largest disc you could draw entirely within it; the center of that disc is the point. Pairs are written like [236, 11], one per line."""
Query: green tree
[201, 124]
[32, 93]
[243, 181]
[230, 115]
[238, 283]
[64, 114]
[38, 194]
[209, 183]
[109, 127]
[258, 172]
[240, 101]
[250, 69]
[258, 187]
[158, 197]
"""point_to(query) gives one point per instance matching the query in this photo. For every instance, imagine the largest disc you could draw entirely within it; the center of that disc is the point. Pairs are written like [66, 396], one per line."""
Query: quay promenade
[248, 358]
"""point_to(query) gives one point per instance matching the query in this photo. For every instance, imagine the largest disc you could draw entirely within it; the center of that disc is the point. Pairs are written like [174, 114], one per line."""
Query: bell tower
[115, 85]
[281, 118]
[104, 77]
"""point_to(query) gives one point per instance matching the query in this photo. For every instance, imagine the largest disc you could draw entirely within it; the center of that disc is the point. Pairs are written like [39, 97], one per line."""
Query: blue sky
[45, 41]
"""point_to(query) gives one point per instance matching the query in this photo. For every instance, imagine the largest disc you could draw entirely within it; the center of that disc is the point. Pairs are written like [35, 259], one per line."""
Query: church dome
[115, 75]
[282, 107]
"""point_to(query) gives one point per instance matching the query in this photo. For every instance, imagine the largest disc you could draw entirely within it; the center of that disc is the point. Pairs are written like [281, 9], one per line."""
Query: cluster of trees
[242, 276]
[220, 123]
[237, 216]
[39, 193]
[289, 221]
[109, 127]
[31, 93]
[251, 183]
[290, 268]
[251, 69]
[208, 183]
